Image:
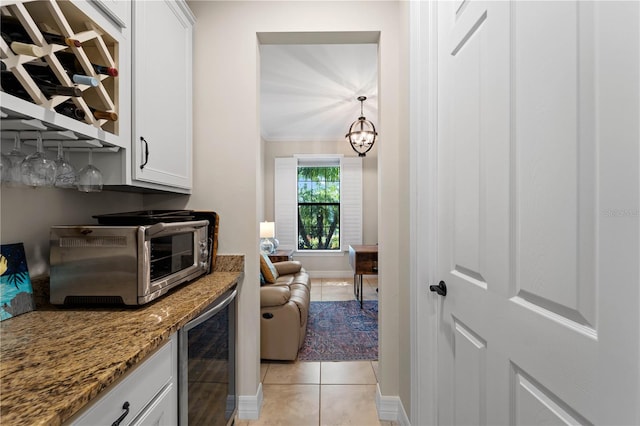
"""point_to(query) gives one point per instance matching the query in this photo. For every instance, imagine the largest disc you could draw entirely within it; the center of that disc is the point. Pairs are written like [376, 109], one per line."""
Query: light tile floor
[336, 289]
[322, 393]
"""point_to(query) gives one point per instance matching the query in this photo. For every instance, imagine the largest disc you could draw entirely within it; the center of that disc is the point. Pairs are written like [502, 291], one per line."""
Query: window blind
[350, 202]
[285, 202]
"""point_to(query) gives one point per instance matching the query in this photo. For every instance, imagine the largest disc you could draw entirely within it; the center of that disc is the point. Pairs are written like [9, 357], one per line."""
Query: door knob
[441, 288]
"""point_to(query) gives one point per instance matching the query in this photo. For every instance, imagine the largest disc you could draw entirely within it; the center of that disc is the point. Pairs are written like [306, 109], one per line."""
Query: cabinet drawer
[138, 388]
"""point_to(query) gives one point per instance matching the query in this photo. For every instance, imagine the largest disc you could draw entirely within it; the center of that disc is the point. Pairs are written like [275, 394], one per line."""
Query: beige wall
[327, 265]
[228, 159]
[404, 234]
[26, 215]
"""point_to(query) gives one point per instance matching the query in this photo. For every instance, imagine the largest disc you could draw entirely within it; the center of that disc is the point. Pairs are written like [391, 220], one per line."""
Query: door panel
[536, 405]
[469, 390]
[467, 204]
[554, 162]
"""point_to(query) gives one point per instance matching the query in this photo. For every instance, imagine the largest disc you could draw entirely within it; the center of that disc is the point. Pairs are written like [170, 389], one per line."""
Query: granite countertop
[53, 361]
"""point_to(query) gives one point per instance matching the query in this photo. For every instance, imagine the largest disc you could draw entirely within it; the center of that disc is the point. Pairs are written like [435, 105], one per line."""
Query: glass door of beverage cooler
[207, 365]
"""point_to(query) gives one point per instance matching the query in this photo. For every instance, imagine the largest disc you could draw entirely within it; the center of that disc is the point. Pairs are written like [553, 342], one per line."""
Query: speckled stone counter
[53, 361]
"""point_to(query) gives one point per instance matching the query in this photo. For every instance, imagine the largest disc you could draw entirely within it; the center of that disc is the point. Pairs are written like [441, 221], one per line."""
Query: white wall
[26, 215]
[228, 148]
[332, 265]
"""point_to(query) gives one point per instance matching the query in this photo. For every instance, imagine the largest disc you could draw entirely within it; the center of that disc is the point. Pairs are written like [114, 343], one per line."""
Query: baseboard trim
[249, 406]
[390, 408]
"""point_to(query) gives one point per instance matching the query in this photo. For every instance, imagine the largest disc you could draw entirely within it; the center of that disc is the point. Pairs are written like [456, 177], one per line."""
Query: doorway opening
[308, 89]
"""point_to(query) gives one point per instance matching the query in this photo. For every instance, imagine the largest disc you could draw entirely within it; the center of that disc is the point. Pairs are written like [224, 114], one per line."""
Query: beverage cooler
[207, 365]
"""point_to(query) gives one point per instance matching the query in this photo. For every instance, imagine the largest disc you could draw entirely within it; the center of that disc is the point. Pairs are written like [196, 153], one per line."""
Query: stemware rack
[97, 47]
[28, 131]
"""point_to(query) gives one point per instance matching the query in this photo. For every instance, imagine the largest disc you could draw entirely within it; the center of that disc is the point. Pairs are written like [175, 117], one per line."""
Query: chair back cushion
[268, 270]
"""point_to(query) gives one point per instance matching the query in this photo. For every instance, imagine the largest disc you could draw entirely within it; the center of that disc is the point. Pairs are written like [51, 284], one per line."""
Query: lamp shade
[267, 229]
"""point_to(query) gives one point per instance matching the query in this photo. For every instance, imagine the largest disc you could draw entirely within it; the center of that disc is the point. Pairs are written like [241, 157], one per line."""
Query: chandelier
[362, 133]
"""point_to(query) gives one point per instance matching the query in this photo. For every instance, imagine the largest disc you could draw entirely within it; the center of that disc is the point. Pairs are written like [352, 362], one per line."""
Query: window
[318, 207]
[346, 216]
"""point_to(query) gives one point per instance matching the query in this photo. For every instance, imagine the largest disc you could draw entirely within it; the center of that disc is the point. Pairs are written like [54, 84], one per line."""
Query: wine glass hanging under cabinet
[56, 58]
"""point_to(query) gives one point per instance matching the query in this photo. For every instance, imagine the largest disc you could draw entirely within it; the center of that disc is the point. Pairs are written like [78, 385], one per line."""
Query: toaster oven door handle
[211, 312]
[161, 227]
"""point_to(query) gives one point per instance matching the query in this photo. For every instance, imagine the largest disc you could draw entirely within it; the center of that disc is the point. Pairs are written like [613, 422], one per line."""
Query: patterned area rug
[341, 331]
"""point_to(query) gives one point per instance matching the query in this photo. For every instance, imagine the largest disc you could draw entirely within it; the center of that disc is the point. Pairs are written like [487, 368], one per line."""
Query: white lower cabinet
[146, 396]
[162, 411]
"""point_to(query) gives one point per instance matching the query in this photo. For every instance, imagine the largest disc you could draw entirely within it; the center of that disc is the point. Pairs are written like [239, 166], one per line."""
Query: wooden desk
[364, 261]
[281, 255]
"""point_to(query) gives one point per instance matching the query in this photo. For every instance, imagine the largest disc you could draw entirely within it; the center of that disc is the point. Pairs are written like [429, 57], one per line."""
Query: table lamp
[267, 233]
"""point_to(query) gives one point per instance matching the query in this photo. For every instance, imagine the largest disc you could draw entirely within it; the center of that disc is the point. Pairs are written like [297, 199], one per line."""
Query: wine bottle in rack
[60, 39]
[21, 48]
[51, 89]
[42, 70]
[13, 27]
[70, 61]
[70, 109]
[104, 115]
[12, 86]
[48, 86]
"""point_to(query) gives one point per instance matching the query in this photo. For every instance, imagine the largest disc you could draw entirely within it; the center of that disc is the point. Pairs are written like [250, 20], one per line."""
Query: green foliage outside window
[319, 208]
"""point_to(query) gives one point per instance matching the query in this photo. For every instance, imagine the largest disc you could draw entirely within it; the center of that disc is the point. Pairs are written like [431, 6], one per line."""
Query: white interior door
[538, 212]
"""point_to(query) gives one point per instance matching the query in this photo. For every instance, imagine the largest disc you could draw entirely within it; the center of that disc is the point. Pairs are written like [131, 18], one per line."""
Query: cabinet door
[162, 62]
[163, 411]
[118, 10]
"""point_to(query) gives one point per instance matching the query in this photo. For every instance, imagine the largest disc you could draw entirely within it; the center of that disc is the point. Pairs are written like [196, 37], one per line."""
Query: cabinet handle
[146, 153]
[125, 407]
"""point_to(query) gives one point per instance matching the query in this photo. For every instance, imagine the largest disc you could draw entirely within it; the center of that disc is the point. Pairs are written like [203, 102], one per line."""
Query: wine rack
[44, 17]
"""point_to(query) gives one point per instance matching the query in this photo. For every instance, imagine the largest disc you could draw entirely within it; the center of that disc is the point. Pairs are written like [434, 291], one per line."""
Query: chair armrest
[288, 267]
[274, 295]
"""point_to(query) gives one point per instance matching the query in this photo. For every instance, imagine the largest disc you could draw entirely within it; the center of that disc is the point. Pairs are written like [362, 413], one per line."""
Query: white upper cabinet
[162, 95]
[117, 10]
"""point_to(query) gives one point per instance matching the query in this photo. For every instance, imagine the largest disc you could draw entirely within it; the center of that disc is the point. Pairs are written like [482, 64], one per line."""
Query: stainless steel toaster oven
[130, 265]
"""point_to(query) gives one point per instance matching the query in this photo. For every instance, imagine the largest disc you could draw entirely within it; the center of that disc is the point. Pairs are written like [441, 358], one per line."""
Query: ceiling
[308, 91]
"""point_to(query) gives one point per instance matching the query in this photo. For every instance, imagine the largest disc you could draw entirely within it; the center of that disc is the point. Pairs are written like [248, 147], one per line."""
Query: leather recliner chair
[284, 309]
